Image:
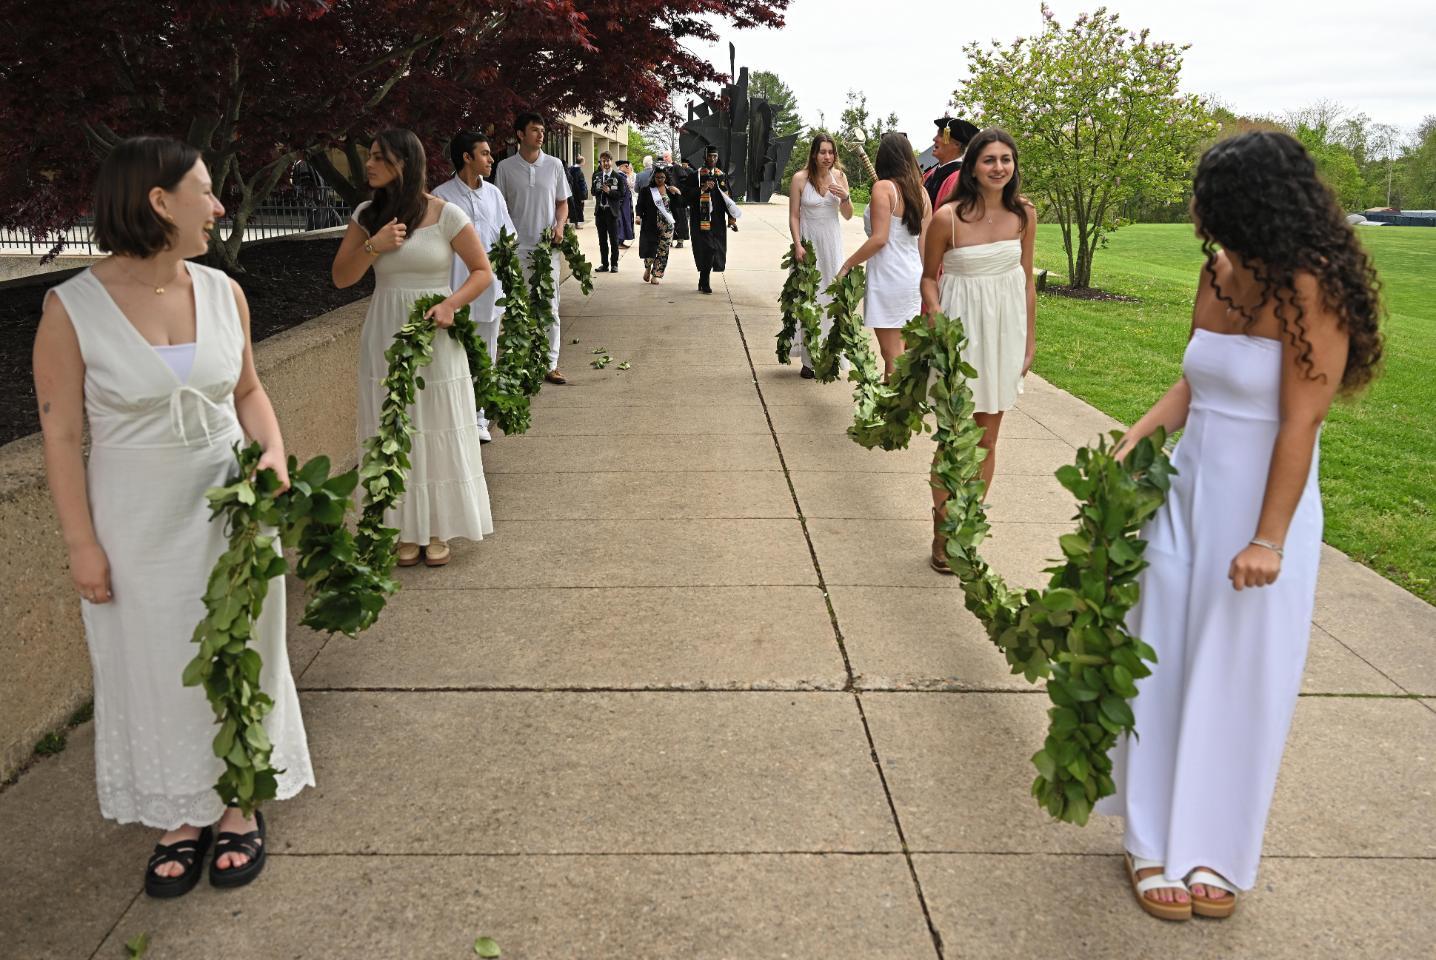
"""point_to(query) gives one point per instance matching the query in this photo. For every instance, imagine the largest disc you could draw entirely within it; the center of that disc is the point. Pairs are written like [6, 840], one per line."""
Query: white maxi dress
[985, 286]
[158, 442]
[894, 276]
[1196, 784]
[820, 222]
[445, 495]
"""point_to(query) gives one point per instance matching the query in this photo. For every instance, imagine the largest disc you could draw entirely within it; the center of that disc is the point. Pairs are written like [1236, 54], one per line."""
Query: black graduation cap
[960, 129]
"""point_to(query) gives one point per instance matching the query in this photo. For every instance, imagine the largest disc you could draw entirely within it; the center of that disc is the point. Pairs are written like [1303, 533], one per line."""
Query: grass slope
[1378, 452]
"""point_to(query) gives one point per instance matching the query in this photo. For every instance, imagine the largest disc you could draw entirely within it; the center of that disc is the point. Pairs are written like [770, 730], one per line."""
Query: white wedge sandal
[1207, 907]
[1162, 911]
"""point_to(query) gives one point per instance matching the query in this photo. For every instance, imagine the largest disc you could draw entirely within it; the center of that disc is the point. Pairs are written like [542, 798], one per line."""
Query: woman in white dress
[1286, 316]
[817, 198]
[410, 239]
[154, 352]
[977, 267]
[895, 221]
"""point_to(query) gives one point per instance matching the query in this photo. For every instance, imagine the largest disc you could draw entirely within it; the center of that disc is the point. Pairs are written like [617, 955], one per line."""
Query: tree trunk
[1082, 275]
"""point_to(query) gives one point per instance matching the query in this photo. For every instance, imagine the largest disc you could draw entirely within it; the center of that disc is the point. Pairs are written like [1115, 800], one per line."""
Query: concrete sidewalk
[701, 697]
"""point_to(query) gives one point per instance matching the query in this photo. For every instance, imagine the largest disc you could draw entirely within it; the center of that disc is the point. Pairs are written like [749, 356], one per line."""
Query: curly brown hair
[1258, 197]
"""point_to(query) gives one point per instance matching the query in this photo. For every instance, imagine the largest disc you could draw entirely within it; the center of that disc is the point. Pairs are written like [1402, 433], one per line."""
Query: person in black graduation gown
[676, 172]
[705, 194]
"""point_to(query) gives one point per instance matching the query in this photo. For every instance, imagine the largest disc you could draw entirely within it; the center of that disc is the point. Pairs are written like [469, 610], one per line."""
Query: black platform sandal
[250, 844]
[189, 853]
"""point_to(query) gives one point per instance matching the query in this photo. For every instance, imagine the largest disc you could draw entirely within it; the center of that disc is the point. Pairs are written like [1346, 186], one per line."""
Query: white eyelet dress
[894, 277]
[985, 286]
[1196, 783]
[445, 495]
[157, 444]
[820, 222]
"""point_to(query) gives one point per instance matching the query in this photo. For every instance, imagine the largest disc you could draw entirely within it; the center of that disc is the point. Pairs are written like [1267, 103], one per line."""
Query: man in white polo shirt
[473, 161]
[535, 185]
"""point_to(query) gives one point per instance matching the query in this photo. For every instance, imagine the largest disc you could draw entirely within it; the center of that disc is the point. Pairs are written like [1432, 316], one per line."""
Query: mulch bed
[286, 282]
[1088, 293]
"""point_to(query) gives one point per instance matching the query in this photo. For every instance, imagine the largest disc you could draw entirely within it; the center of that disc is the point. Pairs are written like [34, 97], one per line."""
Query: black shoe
[602, 269]
[250, 844]
[678, 245]
[189, 854]
[807, 373]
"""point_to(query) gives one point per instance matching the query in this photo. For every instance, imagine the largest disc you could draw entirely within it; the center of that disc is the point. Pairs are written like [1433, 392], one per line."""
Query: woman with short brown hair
[154, 352]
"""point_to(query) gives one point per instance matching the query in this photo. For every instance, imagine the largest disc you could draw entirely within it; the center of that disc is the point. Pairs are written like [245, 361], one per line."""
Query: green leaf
[486, 947]
[137, 946]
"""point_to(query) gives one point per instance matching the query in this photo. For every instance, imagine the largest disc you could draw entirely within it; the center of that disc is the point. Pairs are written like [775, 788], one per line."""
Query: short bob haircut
[125, 221]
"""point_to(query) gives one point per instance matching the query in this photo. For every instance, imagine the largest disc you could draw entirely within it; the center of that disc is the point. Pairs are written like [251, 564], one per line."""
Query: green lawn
[1378, 465]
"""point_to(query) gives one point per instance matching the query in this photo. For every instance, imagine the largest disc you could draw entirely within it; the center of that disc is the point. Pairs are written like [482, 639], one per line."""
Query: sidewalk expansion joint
[932, 930]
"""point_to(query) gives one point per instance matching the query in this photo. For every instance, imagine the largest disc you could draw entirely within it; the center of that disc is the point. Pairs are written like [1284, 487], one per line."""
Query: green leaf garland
[1072, 632]
[577, 263]
[345, 595]
[798, 301]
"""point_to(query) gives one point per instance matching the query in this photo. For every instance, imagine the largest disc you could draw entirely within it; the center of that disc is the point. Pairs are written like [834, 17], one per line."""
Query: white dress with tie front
[159, 440]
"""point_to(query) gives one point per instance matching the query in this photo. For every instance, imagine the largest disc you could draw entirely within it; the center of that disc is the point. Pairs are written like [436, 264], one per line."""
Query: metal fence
[281, 218]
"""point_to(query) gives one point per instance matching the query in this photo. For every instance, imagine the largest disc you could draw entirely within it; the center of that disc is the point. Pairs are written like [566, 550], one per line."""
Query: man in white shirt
[473, 161]
[535, 185]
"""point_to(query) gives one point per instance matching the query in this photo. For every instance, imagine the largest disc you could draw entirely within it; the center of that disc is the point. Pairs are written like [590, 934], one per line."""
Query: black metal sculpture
[742, 130]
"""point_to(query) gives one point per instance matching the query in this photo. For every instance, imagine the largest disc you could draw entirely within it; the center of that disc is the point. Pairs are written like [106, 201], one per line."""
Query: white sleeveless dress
[820, 221]
[1212, 719]
[894, 276]
[157, 444]
[445, 495]
[985, 286]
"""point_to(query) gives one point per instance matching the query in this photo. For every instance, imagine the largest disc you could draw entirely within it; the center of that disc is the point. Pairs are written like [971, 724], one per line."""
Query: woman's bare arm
[60, 392]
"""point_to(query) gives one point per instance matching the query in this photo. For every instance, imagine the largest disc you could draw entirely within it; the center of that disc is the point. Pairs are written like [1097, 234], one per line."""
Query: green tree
[1335, 164]
[780, 96]
[1417, 168]
[639, 147]
[857, 126]
[1098, 118]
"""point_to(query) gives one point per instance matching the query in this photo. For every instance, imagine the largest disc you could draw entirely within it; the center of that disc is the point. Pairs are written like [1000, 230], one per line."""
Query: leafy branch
[799, 301]
[345, 596]
[577, 262]
[1072, 632]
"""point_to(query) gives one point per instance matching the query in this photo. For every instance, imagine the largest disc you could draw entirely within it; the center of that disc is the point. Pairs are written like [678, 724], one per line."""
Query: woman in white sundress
[154, 352]
[980, 243]
[410, 238]
[818, 202]
[894, 221]
[1286, 317]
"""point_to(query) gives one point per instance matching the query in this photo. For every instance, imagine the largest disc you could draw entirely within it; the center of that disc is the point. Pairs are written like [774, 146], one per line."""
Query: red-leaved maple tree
[259, 84]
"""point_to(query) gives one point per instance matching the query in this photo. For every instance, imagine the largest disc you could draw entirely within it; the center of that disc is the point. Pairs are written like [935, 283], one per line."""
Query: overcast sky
[1257, 56]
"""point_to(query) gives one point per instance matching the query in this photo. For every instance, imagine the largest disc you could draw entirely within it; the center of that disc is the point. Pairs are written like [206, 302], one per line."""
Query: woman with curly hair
[1286, 317]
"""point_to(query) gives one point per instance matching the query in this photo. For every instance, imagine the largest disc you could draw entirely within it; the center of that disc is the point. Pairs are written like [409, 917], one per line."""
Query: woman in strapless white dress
[895, 221]
[1226, 600]
[818, 202]
[977, 267]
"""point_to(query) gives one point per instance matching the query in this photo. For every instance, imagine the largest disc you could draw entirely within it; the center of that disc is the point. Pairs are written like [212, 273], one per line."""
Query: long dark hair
[818, 140]
[1258, 196]
[897, 163]
[402, 198]
[968, 196]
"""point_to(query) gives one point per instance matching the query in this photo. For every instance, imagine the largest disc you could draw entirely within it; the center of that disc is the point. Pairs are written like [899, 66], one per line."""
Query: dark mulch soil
[1089, 293]
[286, 282]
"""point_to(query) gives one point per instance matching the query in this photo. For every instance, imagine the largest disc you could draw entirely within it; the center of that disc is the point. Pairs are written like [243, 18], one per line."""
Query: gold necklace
[158, 288]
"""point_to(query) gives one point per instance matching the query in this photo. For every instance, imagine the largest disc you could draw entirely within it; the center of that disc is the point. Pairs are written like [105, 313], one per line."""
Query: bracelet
[1274, 548]
[369, 248]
